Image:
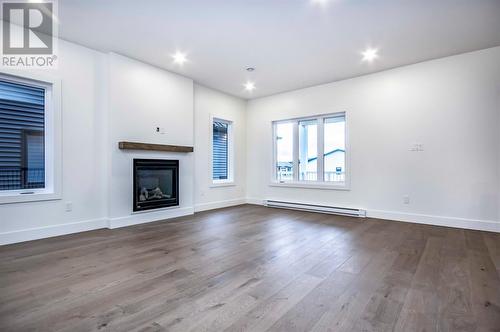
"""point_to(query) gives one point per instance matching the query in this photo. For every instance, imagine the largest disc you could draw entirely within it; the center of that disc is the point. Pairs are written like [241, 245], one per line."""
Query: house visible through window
[22, 136]
[297, 143]
[221, 151]
[334, 149]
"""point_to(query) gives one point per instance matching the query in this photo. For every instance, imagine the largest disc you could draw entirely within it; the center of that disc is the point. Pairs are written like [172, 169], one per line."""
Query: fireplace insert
[156, 184]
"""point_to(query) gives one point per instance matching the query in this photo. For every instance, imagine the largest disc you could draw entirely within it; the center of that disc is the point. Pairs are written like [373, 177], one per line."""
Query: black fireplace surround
[156, 184]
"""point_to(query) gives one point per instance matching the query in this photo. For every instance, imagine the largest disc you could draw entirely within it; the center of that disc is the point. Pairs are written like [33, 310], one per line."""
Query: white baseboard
[255, 201]
[476, 224]
[89, 225]
[219, 204]
[51, 231]
[141, 218]
[481, 225]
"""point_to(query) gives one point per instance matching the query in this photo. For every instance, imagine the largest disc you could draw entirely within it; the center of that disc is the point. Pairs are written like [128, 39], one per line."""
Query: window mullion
[320, 164]
[296, 151]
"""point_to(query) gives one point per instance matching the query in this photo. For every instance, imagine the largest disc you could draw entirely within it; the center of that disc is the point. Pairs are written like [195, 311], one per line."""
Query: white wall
[450, 105]
[207, 103]
[141, 98]
[83, 93]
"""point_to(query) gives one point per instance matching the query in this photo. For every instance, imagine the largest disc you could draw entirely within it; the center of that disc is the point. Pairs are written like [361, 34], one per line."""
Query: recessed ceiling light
[179, 58]
[322, 3]
[249, 86]
[370, 54]
[250, 69]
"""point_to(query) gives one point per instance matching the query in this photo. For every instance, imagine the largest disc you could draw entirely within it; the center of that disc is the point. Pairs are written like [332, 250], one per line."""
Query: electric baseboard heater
[351, 212]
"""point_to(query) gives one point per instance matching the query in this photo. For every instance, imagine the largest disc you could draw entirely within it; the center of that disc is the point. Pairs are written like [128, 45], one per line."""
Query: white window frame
[319, 183]
[52, 140]
[230, 158]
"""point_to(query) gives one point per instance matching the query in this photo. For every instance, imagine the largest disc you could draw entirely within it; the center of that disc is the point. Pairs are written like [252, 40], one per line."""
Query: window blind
[220, 150]
[22, 161]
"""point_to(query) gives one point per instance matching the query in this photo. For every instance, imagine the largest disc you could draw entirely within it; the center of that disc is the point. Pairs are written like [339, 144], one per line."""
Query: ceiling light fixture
[321, 3]
[249, 86]
[370, 54]
[250, 69]
[179, 58]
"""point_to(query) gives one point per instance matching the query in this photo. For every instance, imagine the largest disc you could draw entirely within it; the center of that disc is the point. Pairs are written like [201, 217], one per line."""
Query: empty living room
[250, 165]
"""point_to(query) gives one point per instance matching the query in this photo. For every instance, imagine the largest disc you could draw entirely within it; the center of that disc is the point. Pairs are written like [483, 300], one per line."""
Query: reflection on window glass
[334, 149]
[284, 151]
[308, 150]
[22, 150]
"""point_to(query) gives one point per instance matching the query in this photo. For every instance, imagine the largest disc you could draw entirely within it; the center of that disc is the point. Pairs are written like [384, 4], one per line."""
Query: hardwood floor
[252, 268]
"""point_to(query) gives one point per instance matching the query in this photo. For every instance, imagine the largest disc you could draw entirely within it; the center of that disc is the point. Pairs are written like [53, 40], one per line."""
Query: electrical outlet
[69, 206]
[160, 130]
[406, 199]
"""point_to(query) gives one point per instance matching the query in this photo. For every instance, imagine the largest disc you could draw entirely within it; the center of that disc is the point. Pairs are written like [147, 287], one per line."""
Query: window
[222, 152]
[27, 133]
[284, 151]
[296, 147]
[334, 149]
[308, 150]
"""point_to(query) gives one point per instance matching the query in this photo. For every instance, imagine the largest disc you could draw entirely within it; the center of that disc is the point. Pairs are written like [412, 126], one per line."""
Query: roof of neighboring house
[326, 154]
[285, 164]
[290, 164]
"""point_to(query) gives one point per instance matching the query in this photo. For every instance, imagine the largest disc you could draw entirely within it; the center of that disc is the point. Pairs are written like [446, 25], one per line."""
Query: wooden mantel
[154, 147]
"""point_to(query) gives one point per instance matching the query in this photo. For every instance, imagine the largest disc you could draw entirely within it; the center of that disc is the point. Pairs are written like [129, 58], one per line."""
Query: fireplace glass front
[156, 184]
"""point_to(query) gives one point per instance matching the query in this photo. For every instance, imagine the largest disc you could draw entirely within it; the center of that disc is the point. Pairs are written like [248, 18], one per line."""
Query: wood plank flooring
[251, 268]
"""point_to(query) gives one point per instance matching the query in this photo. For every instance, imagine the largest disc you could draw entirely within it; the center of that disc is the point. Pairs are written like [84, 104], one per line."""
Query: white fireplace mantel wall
[141, 98]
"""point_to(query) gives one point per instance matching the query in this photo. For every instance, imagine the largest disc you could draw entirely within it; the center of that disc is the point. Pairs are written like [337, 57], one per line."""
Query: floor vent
[317, 208]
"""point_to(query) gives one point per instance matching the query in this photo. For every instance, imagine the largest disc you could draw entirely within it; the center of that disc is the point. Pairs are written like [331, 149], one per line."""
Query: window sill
[17, 197]
[222, 184]
[310, 185]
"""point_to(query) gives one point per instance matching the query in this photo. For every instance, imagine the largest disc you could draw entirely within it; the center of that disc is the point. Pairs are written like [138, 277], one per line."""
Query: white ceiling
[292, 43]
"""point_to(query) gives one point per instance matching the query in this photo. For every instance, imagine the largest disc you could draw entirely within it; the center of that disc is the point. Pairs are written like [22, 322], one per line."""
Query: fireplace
[156, 184]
